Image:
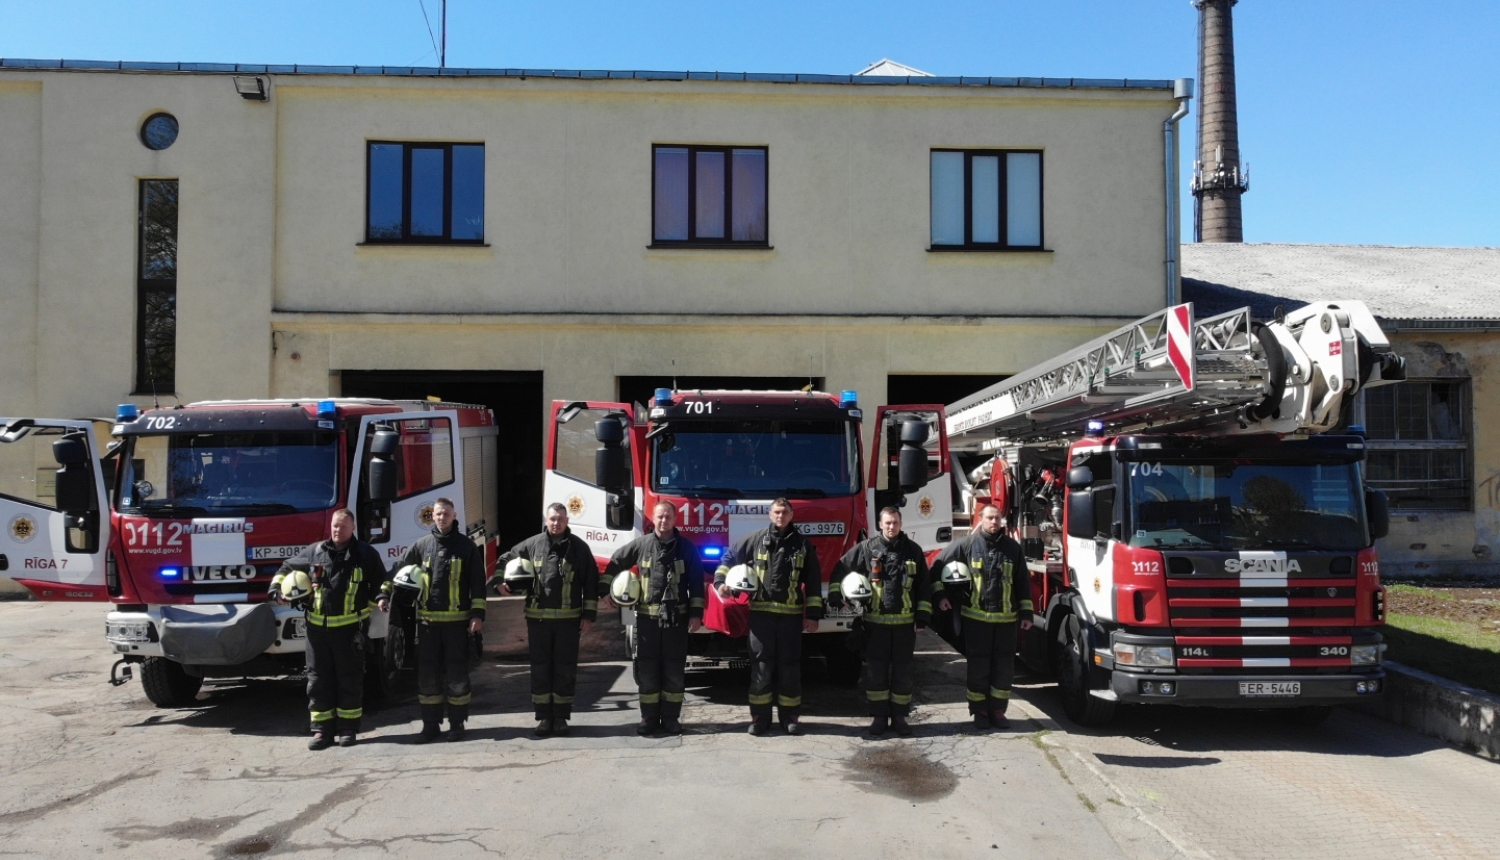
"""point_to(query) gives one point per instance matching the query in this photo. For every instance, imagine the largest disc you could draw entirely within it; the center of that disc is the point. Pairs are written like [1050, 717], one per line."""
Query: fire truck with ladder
[1192, 509]
[182, 520]
[721, 457]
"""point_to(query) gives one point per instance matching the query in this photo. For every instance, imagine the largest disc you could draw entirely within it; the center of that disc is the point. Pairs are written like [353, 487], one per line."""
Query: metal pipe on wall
[1182, 90]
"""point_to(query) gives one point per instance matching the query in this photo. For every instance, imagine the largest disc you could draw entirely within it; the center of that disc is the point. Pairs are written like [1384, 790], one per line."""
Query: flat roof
[584, 74]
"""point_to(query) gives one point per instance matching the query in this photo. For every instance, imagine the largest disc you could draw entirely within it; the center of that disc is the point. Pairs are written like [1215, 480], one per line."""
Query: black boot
[430, 732]
[903, 728]
[998, 720]
[878, 726]
[456, 730]
[320, 741]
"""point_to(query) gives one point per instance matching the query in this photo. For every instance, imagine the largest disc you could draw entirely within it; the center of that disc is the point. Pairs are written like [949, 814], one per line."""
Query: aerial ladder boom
[1168, 372]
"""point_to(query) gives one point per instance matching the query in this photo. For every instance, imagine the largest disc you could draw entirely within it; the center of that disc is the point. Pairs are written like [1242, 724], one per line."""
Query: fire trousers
[660, 667]
[443, 670]
[775, 665]
[554, 666]
[335, 678]
[889, 668]
[991, 652]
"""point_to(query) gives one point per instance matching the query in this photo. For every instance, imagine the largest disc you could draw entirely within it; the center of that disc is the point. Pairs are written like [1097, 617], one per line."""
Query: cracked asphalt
[88, 769]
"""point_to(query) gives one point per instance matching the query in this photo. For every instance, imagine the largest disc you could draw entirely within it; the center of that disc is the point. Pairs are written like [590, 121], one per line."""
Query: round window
[159, 131]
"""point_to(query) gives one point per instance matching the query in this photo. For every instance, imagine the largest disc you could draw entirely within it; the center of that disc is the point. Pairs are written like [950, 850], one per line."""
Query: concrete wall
[1454, 543]
[276, 294]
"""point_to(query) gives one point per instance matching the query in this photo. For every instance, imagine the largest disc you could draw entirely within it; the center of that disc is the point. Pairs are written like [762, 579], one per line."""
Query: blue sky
[1364, 121]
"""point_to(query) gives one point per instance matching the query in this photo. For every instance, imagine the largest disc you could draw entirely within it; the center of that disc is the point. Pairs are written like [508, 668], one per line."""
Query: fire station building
[181, 232]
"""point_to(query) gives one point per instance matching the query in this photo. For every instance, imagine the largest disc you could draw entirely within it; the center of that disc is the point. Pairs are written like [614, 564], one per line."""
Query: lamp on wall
[252, 87]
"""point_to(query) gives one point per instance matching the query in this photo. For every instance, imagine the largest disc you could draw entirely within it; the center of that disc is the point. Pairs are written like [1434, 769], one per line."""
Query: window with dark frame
[708, 196]
[986, 200]
[1417, 444]
[424, 193]
[156, 288]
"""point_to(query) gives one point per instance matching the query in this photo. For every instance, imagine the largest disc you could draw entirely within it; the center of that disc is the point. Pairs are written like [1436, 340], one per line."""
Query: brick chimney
[1218, 177]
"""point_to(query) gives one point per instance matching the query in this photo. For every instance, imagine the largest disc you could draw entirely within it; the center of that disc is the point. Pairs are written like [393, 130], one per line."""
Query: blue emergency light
[327, 409]
[848, 398]
[126, 412]
[713, 552]
[1094, 427]
[171, 573]
[1356, 430]
[663, 396]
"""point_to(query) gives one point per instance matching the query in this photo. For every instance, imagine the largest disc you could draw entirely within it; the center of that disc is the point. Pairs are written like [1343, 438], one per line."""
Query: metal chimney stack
[1218, 177]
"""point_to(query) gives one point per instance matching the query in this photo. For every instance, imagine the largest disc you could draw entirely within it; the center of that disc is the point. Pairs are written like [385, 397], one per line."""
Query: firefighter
[450, 607]
[898, 611]
[670, 607]
[347, 578]
[561, 604]
[992, 606]
[787, 602]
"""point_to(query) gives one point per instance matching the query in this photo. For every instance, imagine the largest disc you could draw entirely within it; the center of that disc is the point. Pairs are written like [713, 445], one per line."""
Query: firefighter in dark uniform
[449, 608]
[561, 605]
[788, 604]
[899, 610]
[995, 603]
[670, 607]
[347, 580]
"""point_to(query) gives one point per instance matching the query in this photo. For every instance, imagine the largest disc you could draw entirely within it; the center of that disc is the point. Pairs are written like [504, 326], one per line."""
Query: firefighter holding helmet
[557, 573]
[336, 581]
[450, 607]
[993, 603]
[669, 606]
[900, 604]
[785, 584]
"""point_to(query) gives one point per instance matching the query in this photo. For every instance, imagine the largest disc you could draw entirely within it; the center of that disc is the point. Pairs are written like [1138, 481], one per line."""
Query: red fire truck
[184, 517]
[721, 457]
[1193, 510]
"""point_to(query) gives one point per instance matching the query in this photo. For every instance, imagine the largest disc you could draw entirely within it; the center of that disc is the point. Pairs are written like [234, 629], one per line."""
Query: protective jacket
[898, 573]
[1001, 589]
[786, 566]
[452, 576]
[671, 575]
[346, 582]
[567, 577]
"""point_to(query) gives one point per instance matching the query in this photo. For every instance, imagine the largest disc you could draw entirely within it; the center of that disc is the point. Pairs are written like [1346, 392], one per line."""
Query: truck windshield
[192, 474]
[1232, 505]
[757, 458]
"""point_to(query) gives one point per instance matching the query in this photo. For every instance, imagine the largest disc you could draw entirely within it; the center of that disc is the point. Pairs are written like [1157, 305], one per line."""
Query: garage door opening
[936, 387]
[516, 399]
[638, 389]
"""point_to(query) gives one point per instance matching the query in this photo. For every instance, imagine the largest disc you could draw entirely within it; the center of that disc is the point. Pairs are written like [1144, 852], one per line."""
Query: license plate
[1270, 688]
[834, 528]
[272, 553]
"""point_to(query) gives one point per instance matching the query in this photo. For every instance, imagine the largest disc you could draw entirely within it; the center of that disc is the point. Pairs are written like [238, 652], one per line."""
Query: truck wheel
[383, 666]
[167, 684]
[1309, 716]
[1072, 665]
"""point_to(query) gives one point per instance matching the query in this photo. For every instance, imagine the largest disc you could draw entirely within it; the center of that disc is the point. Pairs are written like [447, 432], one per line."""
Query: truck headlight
[1143, 655]
[1364, 655]
[127, 631]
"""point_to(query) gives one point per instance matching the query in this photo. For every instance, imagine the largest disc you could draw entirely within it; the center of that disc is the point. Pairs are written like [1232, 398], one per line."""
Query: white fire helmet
[296, 585]
[625, 590]
[956, 573]
[856, 588]
[409, 577]
[741, 580]
[520, 574]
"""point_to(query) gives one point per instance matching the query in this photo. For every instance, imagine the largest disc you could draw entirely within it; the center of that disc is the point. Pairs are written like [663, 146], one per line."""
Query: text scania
[1262, 565]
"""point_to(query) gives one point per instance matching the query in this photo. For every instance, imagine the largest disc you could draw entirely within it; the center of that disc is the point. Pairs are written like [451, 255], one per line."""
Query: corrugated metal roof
[1398, 283]
[583, 74]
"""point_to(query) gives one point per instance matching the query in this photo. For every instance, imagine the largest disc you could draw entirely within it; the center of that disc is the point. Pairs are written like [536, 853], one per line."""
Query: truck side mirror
[382, 471]
[1080, 477]
[1081, 514]
[911, 464]
[609, 469]
[75, 480]
[1378, 509]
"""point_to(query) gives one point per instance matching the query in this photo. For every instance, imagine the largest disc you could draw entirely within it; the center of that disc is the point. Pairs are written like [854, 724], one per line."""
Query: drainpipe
[1182, 90]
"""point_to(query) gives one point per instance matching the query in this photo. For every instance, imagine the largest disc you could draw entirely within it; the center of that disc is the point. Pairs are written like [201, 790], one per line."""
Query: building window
[159, 131]
[1418, 435]
[708, 195]
[986, 200]
[156, 289]
[425, 193]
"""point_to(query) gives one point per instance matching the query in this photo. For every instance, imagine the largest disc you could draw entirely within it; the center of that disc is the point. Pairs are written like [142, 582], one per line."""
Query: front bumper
[1223, 691]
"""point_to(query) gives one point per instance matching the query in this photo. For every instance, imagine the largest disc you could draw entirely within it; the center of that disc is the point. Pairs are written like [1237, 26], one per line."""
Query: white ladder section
[1169, 372]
